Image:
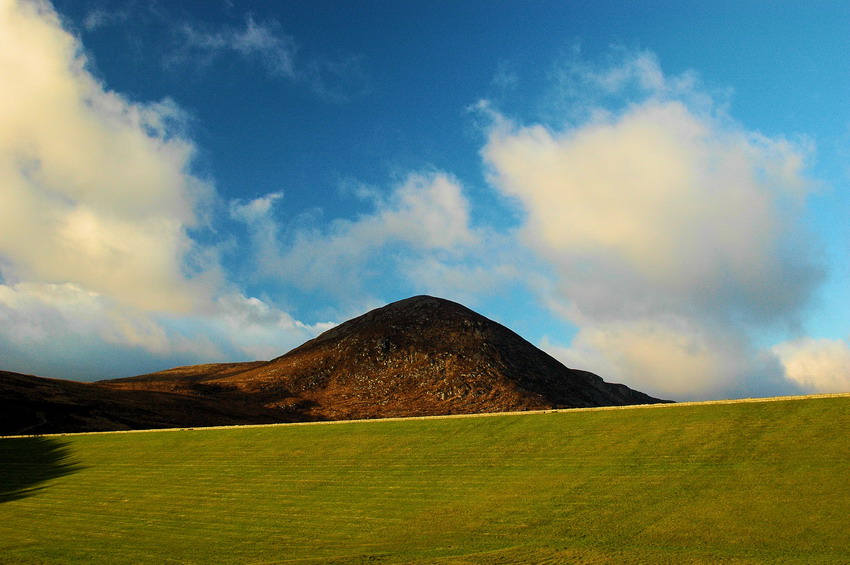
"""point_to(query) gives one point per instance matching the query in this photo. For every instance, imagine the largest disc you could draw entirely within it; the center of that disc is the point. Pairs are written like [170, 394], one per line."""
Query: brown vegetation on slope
[419, 356]
[36, 405]
[423, 356]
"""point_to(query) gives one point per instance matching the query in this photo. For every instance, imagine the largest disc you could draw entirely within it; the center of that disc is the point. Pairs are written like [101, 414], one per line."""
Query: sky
[657, 191]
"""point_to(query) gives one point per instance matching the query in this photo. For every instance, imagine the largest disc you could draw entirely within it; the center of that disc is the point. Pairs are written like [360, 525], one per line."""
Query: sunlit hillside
[759, 482]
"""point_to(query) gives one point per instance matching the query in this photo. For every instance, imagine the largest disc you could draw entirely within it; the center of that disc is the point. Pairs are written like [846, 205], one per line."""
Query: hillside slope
[426, 355]
[419, 356]
[36, 405]
[743, 483]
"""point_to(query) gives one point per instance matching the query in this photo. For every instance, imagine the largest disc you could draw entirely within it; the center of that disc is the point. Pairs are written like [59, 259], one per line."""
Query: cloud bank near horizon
[674, 234]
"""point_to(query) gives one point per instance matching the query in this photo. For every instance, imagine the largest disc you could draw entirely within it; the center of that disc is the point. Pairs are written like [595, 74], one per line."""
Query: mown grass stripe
[719, 483]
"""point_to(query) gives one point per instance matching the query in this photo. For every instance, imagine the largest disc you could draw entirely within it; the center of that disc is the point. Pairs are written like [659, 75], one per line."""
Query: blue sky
[652, 191]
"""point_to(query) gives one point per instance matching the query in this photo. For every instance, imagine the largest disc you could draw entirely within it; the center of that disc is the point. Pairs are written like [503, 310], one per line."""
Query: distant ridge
[415, 357]
[36, 405]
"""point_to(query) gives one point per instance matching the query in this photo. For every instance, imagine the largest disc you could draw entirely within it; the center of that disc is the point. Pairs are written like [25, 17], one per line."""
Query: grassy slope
[736, 483]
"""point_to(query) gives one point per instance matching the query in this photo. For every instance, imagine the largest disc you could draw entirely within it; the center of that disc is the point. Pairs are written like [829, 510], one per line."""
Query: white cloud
[262, 41]
[263, 229]
[99, 18]
[254, 210]
[419, 238]
[664, 360]
[97, 196]
[466, 279]
[676, 359]
[427, 211]
[62, 330]
[252, 329]
[427, 215]
[693, 216]
[97, 189]
[817, 365]
[40, 312]
[584, 90]
[673, 232]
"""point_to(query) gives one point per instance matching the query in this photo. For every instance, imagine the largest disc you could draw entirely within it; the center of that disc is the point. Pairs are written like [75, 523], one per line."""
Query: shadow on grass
[27, 463]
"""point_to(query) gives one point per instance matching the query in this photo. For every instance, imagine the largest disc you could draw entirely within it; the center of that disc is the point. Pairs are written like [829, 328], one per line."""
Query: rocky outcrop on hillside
[419, 356]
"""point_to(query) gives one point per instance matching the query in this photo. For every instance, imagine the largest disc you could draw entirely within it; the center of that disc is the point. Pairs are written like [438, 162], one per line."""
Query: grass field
[720, 483]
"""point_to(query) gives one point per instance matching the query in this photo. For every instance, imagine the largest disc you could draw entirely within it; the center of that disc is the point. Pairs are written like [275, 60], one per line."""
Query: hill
[37, 405]
[419, 356]
[742, 483]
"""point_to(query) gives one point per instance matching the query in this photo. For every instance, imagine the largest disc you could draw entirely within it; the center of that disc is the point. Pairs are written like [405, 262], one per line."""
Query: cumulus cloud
[427, 216]
[676, 359]
[31, 311]
[256, 210]
[262, 226]
[98, 197]
[586, 90]
[250, 328]
[419, 238]
[694, 217]
[673, 231]
[65, 331]
[97, 190]
[817, 365]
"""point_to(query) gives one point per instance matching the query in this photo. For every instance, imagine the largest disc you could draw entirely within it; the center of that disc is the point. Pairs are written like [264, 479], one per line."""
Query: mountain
[419, 356]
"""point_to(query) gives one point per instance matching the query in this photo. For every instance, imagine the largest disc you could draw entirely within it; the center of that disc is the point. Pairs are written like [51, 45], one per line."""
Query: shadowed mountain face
[35, 405]
[419, 356]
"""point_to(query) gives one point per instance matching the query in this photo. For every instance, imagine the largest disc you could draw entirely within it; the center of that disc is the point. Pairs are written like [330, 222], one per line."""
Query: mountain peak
[419, 356]
[428, 355]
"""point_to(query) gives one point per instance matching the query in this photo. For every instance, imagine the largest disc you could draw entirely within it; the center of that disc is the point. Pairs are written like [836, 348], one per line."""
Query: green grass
[732, 483]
